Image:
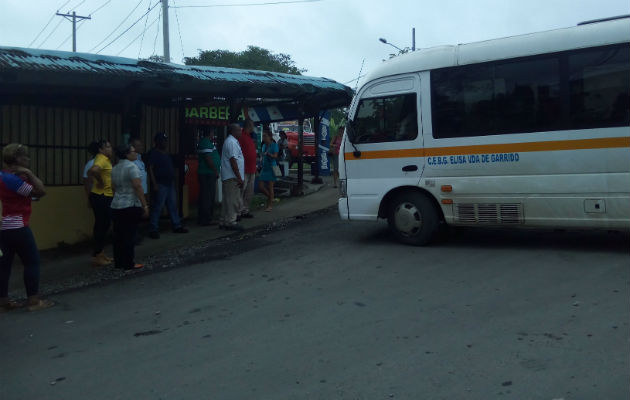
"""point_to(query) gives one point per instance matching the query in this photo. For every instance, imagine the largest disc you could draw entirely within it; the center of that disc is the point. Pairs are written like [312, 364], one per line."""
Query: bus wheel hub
[408, 219]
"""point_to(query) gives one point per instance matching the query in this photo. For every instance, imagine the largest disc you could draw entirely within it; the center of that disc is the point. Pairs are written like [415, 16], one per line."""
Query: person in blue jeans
[18, 186]
[162, 175]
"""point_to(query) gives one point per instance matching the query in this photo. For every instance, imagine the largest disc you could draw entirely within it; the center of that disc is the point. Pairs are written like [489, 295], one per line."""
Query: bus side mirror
[350, 131]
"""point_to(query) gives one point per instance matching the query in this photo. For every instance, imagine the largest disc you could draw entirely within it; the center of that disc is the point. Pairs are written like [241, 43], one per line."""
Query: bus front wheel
[413, 218]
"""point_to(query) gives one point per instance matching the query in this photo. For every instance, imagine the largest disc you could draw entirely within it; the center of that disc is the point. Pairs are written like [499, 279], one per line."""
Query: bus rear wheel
[412, 218]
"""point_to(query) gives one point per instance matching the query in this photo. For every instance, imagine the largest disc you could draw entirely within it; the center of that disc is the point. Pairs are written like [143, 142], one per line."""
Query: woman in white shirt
[128, 206]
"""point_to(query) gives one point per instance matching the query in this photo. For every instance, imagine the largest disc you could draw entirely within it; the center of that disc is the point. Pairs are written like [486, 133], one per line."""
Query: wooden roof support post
[318, 156]
[300, 181]
[298, 189]
[180, 156]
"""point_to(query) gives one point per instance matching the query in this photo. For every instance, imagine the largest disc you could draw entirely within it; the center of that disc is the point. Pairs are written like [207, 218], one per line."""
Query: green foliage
[253, 58]
[338, 118]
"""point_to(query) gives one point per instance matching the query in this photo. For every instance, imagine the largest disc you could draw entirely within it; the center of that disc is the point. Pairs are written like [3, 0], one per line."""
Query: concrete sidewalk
[65, 269]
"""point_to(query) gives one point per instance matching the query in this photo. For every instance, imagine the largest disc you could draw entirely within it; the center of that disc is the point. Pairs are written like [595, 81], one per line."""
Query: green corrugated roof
[59, 71]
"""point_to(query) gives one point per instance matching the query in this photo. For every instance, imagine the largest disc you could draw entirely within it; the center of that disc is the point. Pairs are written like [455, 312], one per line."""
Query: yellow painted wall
[61, 216]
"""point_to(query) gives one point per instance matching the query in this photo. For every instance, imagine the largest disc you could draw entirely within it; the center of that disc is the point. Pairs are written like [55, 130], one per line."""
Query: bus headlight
[343, 189]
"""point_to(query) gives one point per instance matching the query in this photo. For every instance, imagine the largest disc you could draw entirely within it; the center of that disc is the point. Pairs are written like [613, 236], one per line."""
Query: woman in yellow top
[100, 199]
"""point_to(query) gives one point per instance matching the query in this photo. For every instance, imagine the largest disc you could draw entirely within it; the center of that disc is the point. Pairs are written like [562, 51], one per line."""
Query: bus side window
[599, 87]
[387, 119]
[577, 89]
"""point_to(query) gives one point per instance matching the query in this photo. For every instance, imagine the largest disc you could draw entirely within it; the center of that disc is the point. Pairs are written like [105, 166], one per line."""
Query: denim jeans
[102, 219]
[207, 193]
[125, 227]
[164, 195]
[22, 242]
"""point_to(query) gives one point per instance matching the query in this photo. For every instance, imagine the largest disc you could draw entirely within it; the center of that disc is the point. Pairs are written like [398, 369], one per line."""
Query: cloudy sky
[330, 38]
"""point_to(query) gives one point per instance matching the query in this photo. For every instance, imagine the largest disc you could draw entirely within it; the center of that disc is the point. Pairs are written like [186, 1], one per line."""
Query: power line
[95, 11]
[144, 30]
[157, 32]
[81, 23]
[47, 23]
[50, 34]
[357, 78]
[141, 34]
[127, 30]
[116, 28]
[75, 7]
[250, 4]
[63, 5]
[179, 30]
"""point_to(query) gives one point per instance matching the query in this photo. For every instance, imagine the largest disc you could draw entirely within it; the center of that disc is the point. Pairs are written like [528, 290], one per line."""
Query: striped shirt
[15, 194]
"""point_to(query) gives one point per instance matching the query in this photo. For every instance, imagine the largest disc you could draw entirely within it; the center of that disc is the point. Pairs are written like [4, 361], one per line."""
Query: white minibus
[529, 131]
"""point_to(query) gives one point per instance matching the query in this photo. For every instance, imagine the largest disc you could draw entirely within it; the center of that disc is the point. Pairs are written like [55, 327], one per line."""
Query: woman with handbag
[270, 169]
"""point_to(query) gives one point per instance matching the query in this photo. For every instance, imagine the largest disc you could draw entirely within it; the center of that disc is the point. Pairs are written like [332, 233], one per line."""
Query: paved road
[325, 309]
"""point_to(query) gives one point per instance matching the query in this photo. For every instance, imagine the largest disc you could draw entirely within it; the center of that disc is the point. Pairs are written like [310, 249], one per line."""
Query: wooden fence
[58, 136]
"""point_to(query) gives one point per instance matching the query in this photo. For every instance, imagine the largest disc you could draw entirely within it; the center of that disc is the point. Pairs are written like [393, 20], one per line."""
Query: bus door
[384, 143]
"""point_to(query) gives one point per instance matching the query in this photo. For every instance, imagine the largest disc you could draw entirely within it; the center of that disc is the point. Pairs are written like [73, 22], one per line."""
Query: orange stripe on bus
[554, 145]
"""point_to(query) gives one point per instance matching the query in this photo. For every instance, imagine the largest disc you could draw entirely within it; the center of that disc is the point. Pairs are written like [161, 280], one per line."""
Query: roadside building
[58, 102]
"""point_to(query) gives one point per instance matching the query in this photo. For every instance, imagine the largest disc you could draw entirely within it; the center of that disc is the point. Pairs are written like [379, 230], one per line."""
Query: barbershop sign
[209, 114]
[219, 114]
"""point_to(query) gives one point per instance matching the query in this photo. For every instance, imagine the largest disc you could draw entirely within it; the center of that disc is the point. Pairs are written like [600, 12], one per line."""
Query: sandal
[10, 305]
[40, 305]
[268, 209]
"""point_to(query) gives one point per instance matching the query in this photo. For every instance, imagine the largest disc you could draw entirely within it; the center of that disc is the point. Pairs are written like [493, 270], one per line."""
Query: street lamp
[413, 42]
[383, 40]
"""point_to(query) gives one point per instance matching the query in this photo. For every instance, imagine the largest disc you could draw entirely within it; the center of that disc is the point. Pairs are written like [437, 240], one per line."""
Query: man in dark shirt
[162, 175]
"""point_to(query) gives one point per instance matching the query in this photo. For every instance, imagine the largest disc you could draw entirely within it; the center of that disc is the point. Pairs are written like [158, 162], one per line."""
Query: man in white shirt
[232, 173]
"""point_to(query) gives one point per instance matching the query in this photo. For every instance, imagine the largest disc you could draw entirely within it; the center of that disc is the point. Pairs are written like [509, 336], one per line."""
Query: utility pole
[74, 26]
[165, 39]
[413, 39]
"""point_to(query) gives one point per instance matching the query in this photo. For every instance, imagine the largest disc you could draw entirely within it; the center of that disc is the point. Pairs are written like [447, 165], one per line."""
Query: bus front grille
[489, 214]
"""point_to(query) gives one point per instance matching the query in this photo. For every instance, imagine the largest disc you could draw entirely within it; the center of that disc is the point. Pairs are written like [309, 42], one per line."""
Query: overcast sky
[329, 38]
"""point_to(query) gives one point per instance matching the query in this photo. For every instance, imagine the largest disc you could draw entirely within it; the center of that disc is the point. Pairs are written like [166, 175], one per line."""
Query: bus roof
[577, 37]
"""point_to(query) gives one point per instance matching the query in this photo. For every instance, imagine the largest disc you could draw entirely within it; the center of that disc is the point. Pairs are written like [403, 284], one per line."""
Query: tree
[338, 117]
[252, 58]
[156, 58]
